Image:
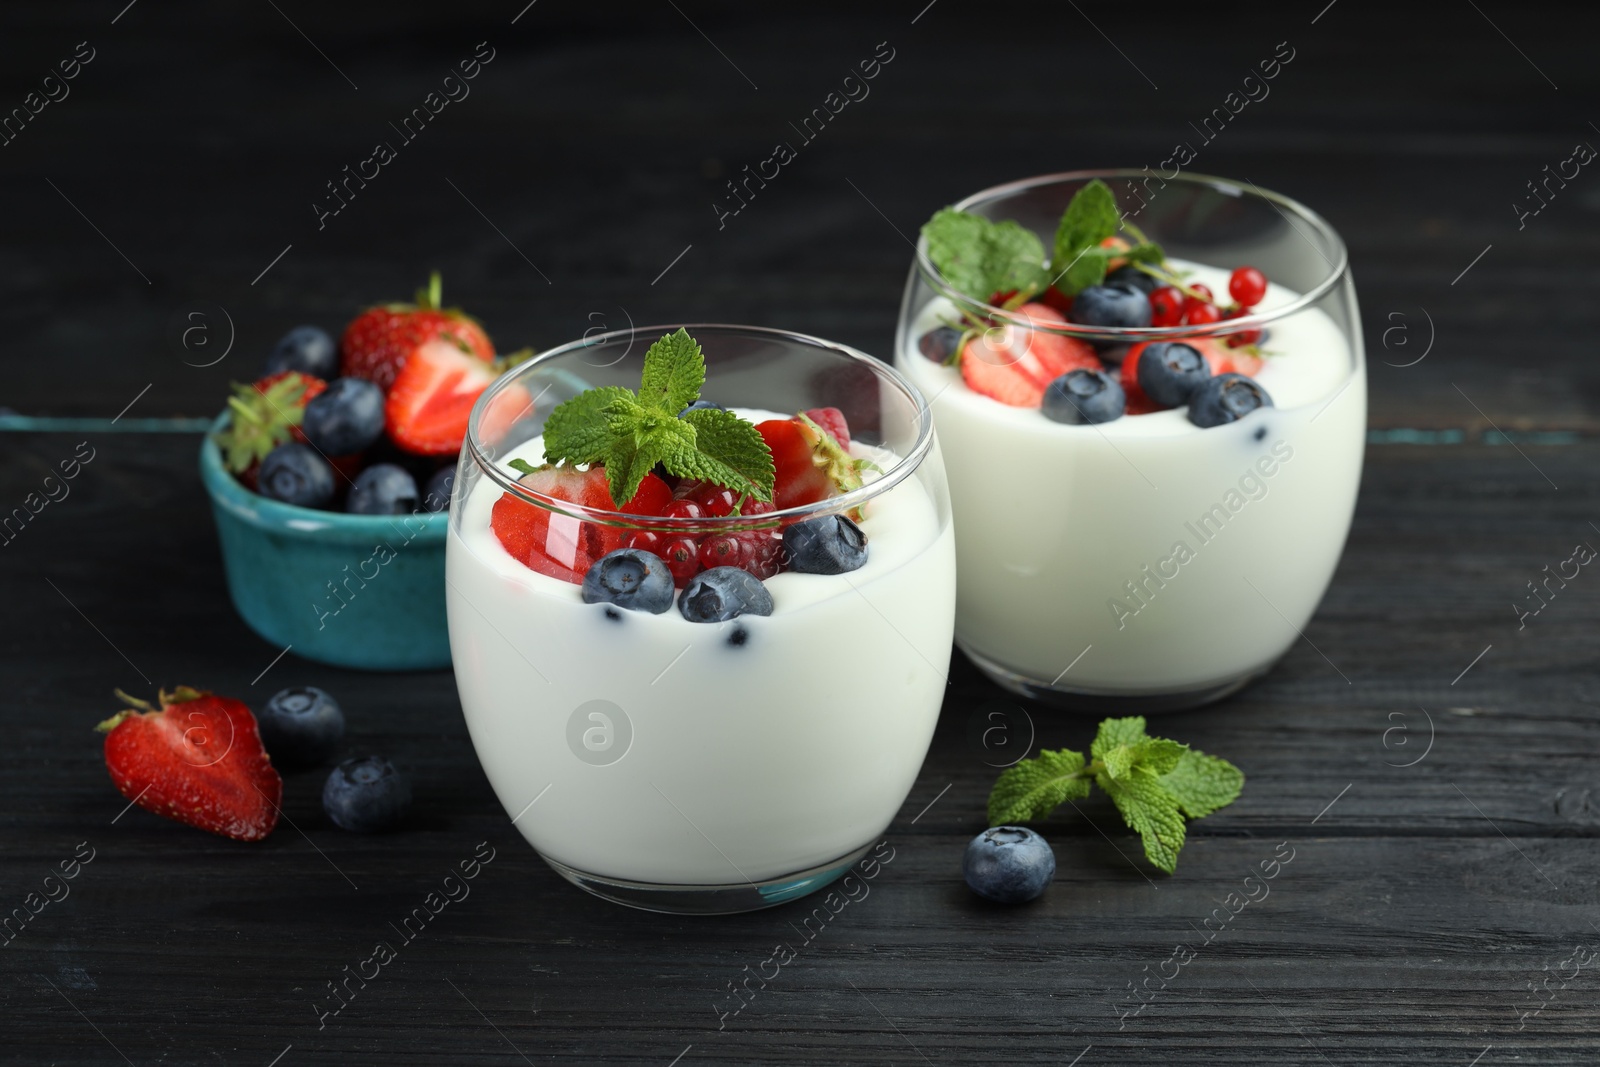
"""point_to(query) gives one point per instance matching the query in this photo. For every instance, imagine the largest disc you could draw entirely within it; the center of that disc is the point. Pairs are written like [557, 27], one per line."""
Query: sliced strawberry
[198, 760]
[379, 341]
[426, 412]
[1013, 364]
[993, 371]
[562, 546]
[1137, 402]
[832, 420]
[799, 480]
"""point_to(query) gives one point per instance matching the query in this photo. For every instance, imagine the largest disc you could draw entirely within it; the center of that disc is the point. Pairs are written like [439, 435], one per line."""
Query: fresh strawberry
[809, 463]
[198, 760]
[262, 416]
[560, 545]
[832, 420]
[1013, 364]
[1137, 402]
[380, 340]
[1056, 300]
[432, 396]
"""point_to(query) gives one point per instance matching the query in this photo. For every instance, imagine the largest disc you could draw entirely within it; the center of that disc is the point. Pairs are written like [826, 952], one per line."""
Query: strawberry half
[380, 340]
[1013, 364]
[559, 545]
[432, 396]
[197, 760]
[808, 461]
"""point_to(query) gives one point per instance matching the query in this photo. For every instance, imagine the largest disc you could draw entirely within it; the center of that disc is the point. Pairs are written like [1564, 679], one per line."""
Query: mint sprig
[1154, 783]
[1077, 260]
[631, 432]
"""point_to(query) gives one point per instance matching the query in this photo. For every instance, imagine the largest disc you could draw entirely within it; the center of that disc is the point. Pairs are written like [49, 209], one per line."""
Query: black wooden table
[1428, 763]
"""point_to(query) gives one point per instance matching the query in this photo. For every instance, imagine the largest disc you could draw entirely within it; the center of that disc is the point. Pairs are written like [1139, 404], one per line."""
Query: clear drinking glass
[688, 767]
[1146, 564]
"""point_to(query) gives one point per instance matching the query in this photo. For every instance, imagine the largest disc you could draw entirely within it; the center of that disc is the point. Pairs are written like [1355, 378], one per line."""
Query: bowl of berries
[330, 477]
[1151, 392]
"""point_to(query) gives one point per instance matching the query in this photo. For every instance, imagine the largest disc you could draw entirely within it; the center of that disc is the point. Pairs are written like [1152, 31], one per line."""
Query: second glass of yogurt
[709, 747]
[1124, 559]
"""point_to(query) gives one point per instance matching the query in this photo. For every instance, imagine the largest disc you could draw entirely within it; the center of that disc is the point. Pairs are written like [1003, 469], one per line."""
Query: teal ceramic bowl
[361, 591]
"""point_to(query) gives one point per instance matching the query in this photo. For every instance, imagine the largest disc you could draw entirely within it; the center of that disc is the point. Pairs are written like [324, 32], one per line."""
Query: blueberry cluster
[303, 726]
[638, 580]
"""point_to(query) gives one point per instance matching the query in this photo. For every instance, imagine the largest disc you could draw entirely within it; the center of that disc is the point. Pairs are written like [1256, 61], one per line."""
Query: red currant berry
[1244, 337]
[1166, 306]
[715, 500]
[683, 559]
[683, 509]
[1202, 296]
[1201, 315]
[1248, 286]
[722, 550]
[648, 540]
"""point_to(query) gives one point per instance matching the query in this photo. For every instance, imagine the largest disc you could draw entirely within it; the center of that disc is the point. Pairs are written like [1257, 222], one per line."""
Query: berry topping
[828, 544]
[1084, 396]
[1128, 377]
[1166, 306]
[832, 420]
[307, 349]
[344, 418]
[722, 550]
[1202, 296]
[724, 593]
[1013, 364]
[1134, 278]
[1201, 314]
[1247, 285]
[381, 340]
[559, 545]
[262, 416]
[1242, 338]
[1008, 865]
[197, 759]
[432, 396]
[295, 474]
[682, 556]
[1111, 305]
[365, 794]
[701, 405]
[1226, 398]
[939, 344]
[630, 578]
[301, 726]
[809, 464]
[1169, 371]
[382, 489]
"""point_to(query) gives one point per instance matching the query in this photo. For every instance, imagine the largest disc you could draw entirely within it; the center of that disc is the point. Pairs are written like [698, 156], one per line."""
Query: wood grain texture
[1424, 902]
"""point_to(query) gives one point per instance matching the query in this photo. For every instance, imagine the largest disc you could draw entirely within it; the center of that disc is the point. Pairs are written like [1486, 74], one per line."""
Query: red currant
[1166, 306]
[723, 550]
[1248, 286]
[647, 540]
[1201, 315]
[683, 559]
[1243, 337]
[715, 500]
[1202, 296]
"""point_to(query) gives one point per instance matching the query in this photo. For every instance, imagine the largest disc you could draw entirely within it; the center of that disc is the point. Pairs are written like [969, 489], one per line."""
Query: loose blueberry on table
[1008, 865]
[698, 479]
[366, 794]
[1100, 273]
[301, 726]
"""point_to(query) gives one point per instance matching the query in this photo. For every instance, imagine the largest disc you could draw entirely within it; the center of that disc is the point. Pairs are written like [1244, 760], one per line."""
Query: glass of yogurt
[1140, 556]
[659, 754]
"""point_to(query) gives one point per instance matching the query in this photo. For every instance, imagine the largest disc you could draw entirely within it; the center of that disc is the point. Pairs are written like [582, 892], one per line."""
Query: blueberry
[365, 794]
[1226, 398]
[1008, 865]
[701, 405]
[1170, 371]
[307, 349]
[301, 726]
[1111, 353]
[436, 497]
[1134, 277]
[344, 418]
[295, 474]
[630, 578]
[1079, 397]
[1111, 305]
[830, 544]
[724, 593]
[940, 344]
[382, 489]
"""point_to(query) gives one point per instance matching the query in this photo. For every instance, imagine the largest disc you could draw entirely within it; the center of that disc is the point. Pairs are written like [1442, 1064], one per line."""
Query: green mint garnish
[631, 432]
[1155, 784]
[981, 258]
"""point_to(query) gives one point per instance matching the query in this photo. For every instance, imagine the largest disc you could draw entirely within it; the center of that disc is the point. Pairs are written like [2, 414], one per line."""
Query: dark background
[1420, 910]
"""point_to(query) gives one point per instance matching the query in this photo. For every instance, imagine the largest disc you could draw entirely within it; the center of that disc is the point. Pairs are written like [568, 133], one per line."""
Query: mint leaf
[1118, 763]
[641, 438]
[1086, 268]
[1157, 755]
[1201, 784]
[1151, 812]
[1035, 787]
[980, 258]
[724, 439]
[1114, 732]
[577, 430]
[522, 466]
[674, 371]
[1090, 218]
[1148, 252]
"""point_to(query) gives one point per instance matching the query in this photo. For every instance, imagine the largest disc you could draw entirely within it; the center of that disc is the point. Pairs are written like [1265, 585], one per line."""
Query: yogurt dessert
[1154, 482]
[715, 695]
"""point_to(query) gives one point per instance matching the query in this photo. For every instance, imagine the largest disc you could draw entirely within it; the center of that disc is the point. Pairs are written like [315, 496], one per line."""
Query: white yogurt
[747, 761]
[1169, 557]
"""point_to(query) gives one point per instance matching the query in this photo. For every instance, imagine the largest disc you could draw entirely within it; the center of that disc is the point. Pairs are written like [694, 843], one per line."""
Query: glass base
[710, 899]
[1110, 702]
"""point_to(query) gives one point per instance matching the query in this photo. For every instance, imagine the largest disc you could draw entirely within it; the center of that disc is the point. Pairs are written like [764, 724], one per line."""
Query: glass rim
[892, 476]
[1290, 208]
